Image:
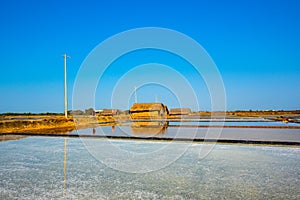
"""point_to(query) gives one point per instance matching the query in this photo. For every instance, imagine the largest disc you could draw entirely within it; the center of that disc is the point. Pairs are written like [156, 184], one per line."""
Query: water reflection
[65, 166]
[232, 123]
[149, 127]
[11, 137]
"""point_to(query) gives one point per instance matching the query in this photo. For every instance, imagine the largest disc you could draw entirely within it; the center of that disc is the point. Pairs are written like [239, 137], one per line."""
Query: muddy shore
[53, 124]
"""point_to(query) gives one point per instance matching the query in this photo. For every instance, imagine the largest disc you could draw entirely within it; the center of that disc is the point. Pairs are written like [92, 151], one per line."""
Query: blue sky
[255, 45]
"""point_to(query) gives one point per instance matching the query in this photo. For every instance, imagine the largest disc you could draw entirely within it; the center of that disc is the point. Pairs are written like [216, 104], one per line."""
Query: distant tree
[75, 112]
[90, 111]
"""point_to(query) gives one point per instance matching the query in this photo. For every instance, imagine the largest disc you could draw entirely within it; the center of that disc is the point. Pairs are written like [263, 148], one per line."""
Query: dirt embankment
[59, 124]
[251, 113]
[50, 124]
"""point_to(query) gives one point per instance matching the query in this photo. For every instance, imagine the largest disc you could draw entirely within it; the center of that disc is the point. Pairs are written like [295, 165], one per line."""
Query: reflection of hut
[148, 111]
[180, 111]
[149, 128]
[110, 112]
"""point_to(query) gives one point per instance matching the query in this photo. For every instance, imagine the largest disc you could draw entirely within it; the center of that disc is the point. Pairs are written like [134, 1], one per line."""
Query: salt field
[34, 168]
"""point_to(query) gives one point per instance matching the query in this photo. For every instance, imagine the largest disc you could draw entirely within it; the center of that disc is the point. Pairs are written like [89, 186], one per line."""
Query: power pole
[65, 90]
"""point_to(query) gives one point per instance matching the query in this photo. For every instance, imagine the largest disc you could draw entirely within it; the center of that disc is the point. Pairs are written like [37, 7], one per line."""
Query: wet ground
[59, 168]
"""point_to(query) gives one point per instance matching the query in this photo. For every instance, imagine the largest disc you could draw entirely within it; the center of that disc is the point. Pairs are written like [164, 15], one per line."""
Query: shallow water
[235, 123]
[33, 168]
[245, 134]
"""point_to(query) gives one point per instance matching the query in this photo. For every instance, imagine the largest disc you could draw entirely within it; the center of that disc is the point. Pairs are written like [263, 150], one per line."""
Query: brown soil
[58, 124]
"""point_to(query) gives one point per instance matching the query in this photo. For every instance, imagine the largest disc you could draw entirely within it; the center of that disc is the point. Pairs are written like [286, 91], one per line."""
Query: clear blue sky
[255, 45]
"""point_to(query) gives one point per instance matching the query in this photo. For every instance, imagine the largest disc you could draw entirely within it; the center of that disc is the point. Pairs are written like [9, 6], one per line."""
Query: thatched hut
[148, 111]
[180, 111]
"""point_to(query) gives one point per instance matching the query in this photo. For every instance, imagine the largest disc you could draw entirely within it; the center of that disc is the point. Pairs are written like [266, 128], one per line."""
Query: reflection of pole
[135, 97]
[66, 94]
[65, 166]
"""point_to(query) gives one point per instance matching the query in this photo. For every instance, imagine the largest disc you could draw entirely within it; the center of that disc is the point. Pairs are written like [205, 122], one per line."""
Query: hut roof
[140, 107]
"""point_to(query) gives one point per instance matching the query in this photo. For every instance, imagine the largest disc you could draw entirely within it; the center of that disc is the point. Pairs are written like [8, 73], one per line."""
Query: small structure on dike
[147, 111]
[109, 112]
[180, 111]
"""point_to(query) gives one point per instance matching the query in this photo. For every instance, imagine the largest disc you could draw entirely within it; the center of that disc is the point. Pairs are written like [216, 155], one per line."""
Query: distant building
[125, 112]
[180, 111]
[109, 112]
[148, 111]
[97, 112]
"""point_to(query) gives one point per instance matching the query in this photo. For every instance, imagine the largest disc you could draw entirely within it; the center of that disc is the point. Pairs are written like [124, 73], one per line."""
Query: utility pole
[65, 90]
